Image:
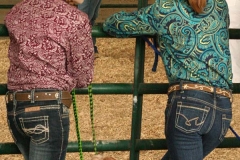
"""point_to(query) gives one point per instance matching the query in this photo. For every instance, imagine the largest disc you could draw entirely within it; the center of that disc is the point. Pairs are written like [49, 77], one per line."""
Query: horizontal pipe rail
[123, 88]
[7, 6]
[97, 31]
[117, 145]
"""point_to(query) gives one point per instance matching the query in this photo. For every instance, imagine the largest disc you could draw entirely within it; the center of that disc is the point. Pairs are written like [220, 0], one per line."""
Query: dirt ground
[112, 113]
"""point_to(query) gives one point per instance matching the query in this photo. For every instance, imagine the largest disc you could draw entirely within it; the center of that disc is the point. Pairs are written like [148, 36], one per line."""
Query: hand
[78, 1]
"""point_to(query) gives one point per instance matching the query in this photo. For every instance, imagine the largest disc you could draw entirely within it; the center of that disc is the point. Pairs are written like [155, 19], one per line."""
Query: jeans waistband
[200, 87]
[40, 95]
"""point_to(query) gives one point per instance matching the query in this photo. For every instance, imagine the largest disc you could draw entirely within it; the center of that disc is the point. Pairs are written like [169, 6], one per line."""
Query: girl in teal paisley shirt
[194, 42]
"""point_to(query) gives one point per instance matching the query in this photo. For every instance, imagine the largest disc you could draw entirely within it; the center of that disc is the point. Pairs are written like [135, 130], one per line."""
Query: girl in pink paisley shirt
[50, 53]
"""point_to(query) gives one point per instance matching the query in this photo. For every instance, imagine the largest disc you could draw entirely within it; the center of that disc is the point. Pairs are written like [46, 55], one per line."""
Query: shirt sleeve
[80, 62]
[141, 22]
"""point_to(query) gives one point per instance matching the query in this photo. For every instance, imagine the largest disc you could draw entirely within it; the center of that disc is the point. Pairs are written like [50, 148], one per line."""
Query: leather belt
[66, 97]
[200, 87]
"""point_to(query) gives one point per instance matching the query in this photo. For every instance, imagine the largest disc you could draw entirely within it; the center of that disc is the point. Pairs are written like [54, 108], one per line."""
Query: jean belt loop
[231, 96]
[59, 97]
[14, 98]
[32, 96]
[181, 87]
[214, 93]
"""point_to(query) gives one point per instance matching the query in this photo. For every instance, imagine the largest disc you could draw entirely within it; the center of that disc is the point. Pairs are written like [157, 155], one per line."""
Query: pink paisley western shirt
[50, 46]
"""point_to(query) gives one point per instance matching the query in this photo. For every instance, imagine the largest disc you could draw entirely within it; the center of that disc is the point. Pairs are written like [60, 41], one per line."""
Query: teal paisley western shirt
[194, 47]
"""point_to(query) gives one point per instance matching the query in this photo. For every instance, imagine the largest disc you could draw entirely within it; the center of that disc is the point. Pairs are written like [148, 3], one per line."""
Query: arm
[80, 62]
[141, 22]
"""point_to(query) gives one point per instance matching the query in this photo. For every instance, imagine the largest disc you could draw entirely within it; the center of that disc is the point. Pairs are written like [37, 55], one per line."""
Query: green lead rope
[75, 111]
[92, 117]
[76, 121]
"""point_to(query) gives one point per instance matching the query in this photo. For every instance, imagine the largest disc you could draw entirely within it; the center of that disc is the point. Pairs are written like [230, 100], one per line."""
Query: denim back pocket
[226, 120]
[36, 127]
[190, 117]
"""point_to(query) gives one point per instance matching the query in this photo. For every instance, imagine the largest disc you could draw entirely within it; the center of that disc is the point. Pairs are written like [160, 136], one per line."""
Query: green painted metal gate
[137, 89]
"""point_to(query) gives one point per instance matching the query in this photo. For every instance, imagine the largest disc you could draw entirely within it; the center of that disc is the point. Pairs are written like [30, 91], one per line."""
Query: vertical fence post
[137, 97]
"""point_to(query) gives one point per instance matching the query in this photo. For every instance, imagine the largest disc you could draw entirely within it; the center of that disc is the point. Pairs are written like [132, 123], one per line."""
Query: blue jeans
[91, 8]
[195, 123]
[40, 129]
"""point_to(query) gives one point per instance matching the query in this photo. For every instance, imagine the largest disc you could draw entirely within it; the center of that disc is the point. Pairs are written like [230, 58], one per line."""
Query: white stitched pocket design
[190, 118]
[36, 127]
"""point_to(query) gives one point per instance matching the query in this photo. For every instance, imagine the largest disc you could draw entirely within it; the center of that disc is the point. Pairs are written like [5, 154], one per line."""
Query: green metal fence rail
[138, 88]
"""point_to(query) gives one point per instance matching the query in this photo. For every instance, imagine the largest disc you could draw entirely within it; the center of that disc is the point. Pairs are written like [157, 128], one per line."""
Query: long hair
[197, 5]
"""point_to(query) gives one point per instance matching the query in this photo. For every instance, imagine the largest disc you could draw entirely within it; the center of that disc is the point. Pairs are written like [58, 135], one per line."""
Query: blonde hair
[197, 5]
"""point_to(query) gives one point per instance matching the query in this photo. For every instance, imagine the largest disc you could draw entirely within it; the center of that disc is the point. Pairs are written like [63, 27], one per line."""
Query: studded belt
[66, 97]
[200, 87]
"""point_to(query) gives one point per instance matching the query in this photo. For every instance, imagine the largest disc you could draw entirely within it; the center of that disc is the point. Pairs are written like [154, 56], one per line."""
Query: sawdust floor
[112, 113]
